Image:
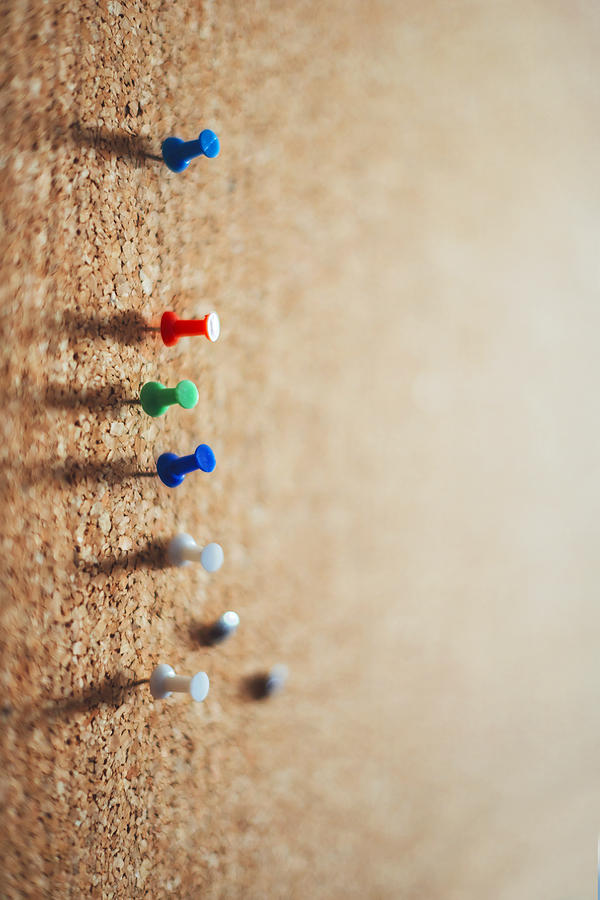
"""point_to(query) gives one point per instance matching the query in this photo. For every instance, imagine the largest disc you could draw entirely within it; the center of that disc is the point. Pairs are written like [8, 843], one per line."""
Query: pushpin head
[224, 627]
[264, 685]
[212, 557]
[155, 398]
[213, 327]
[199, 685]
[209, 143]
[276, 679]
[205, 458]
[186, 394]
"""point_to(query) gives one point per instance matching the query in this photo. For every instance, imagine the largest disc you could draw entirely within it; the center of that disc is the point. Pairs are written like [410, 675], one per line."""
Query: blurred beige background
[401, 236]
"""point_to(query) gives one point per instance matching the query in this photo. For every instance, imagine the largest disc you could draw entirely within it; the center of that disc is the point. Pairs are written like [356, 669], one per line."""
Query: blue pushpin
[172, 469]
[178, 154]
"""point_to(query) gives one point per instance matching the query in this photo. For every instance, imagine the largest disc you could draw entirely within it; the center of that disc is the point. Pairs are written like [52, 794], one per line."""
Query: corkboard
[398, 236]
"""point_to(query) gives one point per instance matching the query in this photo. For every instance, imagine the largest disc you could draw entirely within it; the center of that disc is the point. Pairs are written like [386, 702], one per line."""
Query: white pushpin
[276, 679]
[224, 627]
[164, 681]
[183, 550]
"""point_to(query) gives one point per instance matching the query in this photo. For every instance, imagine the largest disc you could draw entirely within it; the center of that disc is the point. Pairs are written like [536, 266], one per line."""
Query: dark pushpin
[172, 469]
[178, 154]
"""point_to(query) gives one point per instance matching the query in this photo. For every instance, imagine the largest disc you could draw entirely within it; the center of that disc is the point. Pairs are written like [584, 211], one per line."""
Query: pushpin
[276, 679]
[172, 469]
[155, 398]
[183, 550]
[172, 328]
[164, 681]
[224, 627]
[178, 154]
[266, 684]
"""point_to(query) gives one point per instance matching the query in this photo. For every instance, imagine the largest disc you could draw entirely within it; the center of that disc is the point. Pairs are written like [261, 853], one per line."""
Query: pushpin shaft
[189, 327]
[169, 396]
[190, 149]
[184, 465]
[190, 553]
[178, 683]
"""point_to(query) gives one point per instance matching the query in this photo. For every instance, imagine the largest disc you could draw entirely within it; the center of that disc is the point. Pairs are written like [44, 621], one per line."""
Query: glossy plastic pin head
[172, 469]
[225, 626]
[183, 550]
[172, 328]
[178, 154]
[276, 679]
[155, 398]
[164, 681]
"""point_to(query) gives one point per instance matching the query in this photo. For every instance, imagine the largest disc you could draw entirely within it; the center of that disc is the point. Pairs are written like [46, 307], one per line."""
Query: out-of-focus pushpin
[276, 679]
[178, 154]
[172, 469]
[155, 398]
[224, 627]
[172, 328]
[183, 550]
[164, 681]
[265, 684]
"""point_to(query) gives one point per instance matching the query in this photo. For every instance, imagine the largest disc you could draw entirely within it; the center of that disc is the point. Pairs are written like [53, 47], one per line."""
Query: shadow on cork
[112, 692]
[116, 471]
[107, 396]
[121, 144]
[152, 556]
[126, 327]
[255, 686]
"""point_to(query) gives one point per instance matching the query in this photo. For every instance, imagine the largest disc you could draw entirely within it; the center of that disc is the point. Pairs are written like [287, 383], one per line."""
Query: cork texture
[400, 238]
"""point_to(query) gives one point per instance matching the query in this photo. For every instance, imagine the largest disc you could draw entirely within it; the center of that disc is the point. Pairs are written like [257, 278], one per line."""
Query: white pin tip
[212, 557]
[199, 686]
[213, 327]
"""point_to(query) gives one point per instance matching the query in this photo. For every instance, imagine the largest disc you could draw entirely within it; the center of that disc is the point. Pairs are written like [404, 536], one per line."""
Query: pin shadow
[152, 556]
[203, 635]
[255, 687]
[105, 397]
[112, 691]
[121, 144]
[115, 472]
[128, 327]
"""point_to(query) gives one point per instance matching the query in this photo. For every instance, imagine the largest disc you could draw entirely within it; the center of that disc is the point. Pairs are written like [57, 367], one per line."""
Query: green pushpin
[156, 398]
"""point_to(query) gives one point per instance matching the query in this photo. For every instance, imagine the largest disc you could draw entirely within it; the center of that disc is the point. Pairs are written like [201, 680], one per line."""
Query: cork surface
[400, 237]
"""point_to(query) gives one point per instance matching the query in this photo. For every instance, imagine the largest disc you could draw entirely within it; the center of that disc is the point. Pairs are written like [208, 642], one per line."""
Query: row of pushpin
[155, 400]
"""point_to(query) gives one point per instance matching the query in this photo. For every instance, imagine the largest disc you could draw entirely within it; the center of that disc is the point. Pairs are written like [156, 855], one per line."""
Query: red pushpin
[172, 328]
